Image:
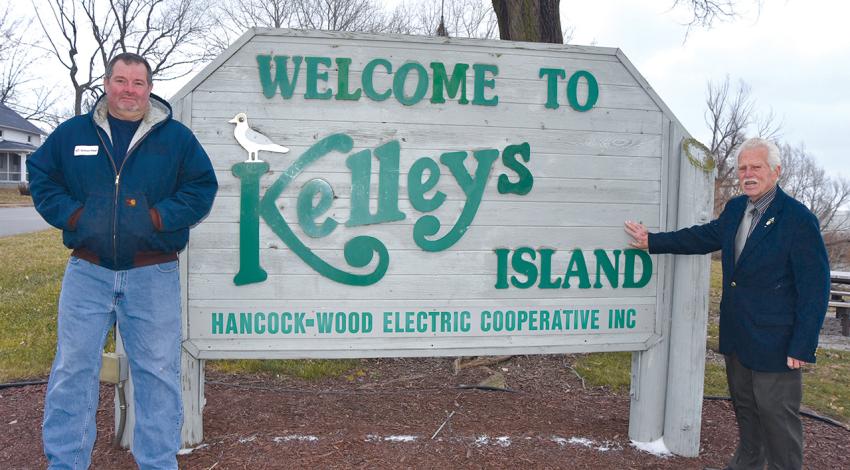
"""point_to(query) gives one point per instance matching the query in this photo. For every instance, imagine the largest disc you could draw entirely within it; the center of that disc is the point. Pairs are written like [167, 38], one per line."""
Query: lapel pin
[769, 221]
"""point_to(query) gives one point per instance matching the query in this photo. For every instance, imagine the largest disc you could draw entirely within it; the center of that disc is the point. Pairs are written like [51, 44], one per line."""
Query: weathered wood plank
[490, 213]
[397, 236]
[406, 262]
[316, 287]
[544, 190]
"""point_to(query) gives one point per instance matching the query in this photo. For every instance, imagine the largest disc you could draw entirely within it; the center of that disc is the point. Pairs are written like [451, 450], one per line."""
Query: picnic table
[839, 298]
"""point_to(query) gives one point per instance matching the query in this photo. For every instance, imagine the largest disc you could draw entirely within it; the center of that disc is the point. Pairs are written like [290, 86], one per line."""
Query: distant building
[18, 139]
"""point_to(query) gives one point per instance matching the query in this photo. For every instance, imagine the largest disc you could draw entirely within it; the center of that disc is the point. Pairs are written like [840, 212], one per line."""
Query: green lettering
[502, 268]
[342, 93]
[457, 82]
[400, 79]
[416, 188]
[592, 91]
[481, 81]
[217, 325]
[526, 267]
[509, 159]
[612, 270]
[646, 272]
[368, 79]
[552, 76]
[577, 268]
[546, 270]
[307, 212]
[249, 175]
[313, 77]
[429, 225]
[358, 251]
[282, 79]
[360, 164]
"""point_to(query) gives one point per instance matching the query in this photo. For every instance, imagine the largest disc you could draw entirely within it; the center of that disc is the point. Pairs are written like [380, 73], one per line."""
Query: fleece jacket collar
[159, 111]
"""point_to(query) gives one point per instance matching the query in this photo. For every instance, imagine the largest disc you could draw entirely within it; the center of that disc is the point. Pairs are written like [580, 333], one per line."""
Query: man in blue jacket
[124, 183]
[775, 296]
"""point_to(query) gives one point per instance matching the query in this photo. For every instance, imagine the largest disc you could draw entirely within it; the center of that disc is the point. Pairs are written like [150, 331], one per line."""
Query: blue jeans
[146, 304]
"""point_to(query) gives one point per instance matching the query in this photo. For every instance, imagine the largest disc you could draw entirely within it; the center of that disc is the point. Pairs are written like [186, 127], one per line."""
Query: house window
[10, 167]
[29, 138]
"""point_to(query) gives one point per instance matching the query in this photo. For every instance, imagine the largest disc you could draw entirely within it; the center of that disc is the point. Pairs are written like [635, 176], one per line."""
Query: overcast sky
[795, 54]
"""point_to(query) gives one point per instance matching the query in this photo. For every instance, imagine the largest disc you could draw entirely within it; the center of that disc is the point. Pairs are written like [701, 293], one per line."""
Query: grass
[11, 197]
[30, 278]
[31, 269]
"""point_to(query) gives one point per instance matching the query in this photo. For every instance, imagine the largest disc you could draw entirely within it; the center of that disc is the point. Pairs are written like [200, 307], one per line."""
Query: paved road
[15, 220]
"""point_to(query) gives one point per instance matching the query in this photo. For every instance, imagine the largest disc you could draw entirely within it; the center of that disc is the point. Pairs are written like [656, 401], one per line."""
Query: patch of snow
[558, 440]
[656, 447]
[294, 437]
[400, 438]
[482, 440]
[189, 450]
[243, 440]
[582, 441]
[503, 441]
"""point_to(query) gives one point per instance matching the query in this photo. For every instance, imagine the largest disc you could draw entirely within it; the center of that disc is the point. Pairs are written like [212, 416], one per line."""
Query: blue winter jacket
[775, 296]
[104, 210]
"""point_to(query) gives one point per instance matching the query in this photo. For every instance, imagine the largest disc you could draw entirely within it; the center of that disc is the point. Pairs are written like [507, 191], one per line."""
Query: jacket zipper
[115, 200]
[118, 183]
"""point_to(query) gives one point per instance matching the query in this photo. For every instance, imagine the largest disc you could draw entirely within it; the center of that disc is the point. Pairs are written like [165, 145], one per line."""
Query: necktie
[744, 231]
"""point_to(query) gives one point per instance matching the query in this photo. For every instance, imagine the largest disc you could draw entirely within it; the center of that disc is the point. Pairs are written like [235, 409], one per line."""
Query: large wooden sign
[411, 196]
[437, 198]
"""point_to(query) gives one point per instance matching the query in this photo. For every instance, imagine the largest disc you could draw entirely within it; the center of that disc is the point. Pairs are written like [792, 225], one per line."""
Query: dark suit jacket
[776, 296]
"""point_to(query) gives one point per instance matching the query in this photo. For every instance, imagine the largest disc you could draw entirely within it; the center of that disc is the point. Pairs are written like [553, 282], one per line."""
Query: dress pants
[767, 408]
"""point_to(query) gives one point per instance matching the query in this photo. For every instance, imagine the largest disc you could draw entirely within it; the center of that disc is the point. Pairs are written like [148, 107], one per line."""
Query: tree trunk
[529, 20]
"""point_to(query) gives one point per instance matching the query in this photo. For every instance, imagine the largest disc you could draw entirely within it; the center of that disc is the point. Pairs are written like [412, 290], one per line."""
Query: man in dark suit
[775, 296]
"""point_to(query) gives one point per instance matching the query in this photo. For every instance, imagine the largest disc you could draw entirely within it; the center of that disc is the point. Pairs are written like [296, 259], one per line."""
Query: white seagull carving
[251, 140]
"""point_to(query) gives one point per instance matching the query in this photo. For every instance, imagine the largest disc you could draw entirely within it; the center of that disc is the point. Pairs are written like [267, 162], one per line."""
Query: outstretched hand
[639, 234]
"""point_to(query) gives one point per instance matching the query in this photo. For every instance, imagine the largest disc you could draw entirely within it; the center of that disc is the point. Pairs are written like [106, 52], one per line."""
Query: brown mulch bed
[411, 413]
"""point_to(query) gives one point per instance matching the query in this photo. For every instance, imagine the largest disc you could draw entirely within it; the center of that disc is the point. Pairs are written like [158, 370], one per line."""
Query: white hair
[773, 159]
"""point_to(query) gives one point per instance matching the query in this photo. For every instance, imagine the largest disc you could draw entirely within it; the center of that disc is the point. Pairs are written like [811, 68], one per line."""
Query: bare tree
[84, 34]
[731, 118]
[824, 195]
[539, 20]
[462, 18]
[808, 182]
[705, 13]
[20, 89]
[529, 20]
[234, 17]
[342, 15]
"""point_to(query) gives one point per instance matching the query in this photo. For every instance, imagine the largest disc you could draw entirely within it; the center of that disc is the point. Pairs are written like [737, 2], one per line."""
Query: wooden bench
[842, 312]
[839, 298]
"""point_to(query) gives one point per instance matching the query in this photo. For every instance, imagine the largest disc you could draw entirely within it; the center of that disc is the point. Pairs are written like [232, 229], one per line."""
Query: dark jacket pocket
[135, 225]
[94, 227]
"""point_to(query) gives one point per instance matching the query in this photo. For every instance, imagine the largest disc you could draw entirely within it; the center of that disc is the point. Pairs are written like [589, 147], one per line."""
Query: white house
[18, 139]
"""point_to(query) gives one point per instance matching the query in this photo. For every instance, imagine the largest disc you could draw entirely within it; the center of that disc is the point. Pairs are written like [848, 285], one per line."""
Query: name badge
[85, 150]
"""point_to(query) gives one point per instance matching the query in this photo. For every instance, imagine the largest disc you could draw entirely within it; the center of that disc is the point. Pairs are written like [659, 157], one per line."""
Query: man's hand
[795, 363]
[639, 233]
